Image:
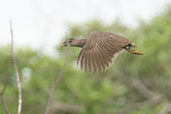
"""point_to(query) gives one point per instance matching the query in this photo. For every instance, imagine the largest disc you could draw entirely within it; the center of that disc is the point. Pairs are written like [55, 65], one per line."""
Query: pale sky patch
[42, 23]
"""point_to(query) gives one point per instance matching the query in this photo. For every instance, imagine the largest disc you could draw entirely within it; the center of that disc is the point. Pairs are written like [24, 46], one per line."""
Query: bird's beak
[62, 45]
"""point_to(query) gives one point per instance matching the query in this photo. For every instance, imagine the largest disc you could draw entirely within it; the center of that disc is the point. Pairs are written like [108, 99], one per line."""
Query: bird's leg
[128, 48]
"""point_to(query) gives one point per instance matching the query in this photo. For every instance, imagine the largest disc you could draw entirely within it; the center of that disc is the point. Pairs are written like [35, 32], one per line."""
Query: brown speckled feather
[100, 51]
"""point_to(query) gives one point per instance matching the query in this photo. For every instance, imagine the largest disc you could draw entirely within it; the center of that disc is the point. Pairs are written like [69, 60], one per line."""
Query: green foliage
[94, 93]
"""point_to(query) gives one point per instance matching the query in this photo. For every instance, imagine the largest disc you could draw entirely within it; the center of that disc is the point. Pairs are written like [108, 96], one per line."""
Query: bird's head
[69, 41]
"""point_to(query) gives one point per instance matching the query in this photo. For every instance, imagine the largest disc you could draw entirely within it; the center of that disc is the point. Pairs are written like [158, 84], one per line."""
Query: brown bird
[100, 50]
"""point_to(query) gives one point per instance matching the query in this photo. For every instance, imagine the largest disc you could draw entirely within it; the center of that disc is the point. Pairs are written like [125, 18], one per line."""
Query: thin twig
[4, 88]
[4, 103]
[56, 82]
[16, 71]
[7, 76]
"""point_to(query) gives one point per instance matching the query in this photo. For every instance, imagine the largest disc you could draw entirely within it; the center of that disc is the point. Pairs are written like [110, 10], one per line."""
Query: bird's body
[100, 50]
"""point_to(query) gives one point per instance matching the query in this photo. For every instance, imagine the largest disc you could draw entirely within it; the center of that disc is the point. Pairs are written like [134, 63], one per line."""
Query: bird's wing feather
[100, 51]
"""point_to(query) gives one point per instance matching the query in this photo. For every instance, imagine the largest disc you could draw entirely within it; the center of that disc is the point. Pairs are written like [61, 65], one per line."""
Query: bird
[100, 50]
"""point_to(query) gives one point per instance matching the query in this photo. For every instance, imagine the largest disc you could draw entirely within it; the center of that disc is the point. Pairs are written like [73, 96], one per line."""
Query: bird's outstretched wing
[100, 51]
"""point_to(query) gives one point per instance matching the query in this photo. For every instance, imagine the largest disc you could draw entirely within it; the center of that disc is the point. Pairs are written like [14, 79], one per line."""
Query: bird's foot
[135, 52]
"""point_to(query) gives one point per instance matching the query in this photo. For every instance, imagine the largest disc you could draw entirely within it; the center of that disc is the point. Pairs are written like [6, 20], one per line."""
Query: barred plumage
[100, 50]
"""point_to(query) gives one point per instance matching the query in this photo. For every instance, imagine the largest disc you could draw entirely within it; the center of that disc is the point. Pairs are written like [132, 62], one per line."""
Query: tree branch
[56, 106]
[137, 84]
[56, 82]
[153, 98]
[16, 71]
[150, 102]
[166, 109]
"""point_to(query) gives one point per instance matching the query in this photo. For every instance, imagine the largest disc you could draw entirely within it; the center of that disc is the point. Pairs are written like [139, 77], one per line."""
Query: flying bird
[100, 50]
